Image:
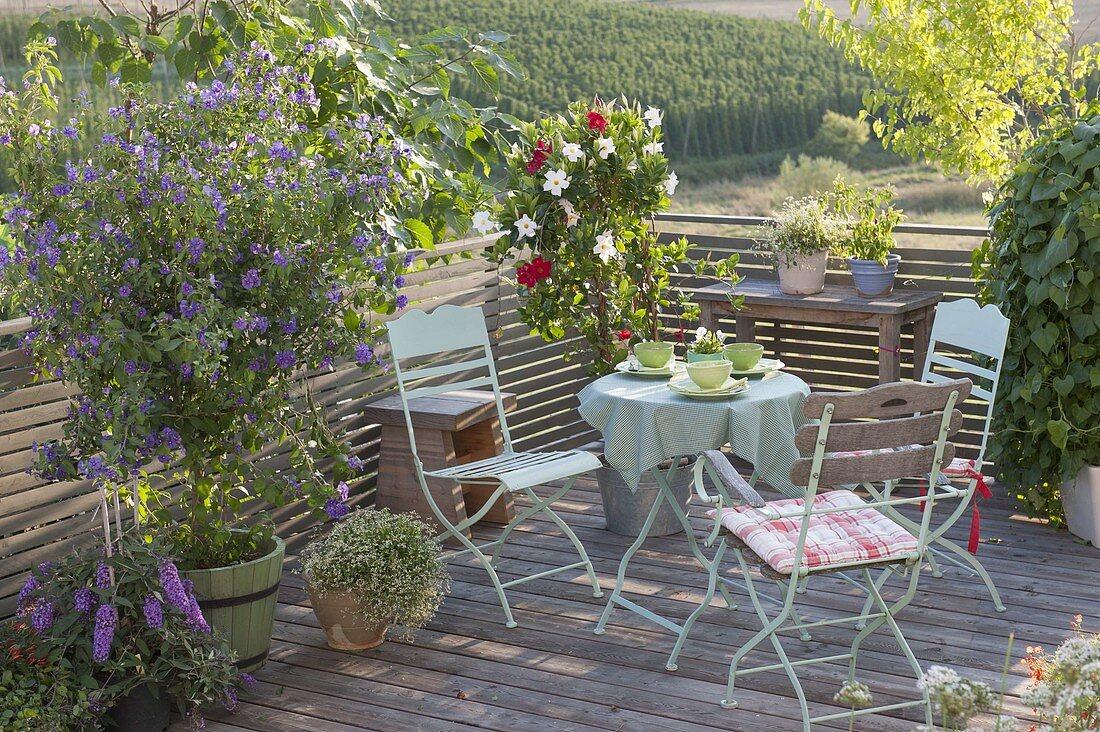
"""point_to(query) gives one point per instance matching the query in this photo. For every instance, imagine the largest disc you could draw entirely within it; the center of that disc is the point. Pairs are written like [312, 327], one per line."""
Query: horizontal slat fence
[39, 520]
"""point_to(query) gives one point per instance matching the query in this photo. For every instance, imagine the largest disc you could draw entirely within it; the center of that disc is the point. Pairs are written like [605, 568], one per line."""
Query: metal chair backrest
[885, 433]
[963, 326]
[448, 329]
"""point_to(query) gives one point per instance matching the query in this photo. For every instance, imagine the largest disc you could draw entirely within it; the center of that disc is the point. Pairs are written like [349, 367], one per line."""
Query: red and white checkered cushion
[961, 468]
[858, 535]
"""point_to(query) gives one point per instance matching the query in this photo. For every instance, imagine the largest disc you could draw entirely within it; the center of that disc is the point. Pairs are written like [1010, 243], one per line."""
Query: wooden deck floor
[467, 670]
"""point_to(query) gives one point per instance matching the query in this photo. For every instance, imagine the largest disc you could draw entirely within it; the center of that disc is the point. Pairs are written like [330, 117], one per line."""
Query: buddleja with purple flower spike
[216, 248]
[146, 628]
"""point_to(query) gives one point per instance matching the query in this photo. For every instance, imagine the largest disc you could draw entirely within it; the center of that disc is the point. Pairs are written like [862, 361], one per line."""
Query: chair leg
[976, 567]
[486, 562]
[770, 627]
[879, 583]
[712, 585]
[545, 508]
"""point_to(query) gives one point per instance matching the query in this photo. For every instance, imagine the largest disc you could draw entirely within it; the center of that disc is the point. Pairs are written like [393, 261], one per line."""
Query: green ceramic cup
[653, 355]
[743, 356]
[709, 374]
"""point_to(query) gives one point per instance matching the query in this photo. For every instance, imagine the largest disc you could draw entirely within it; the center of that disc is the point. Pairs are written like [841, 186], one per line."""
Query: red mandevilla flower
[597, 122]
[624, 335]
[540, 268]
[679, 335]
[539, 157]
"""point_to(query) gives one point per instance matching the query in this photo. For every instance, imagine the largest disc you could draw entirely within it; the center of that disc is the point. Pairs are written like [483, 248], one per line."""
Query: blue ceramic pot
[871, 278]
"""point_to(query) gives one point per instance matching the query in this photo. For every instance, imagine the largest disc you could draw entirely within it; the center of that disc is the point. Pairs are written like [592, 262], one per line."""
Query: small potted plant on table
[707, 346]
[374, 569]
[799, 239]
[871, 218]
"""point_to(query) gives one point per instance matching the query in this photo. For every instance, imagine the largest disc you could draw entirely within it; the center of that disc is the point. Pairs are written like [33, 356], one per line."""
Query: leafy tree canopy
[967, 82]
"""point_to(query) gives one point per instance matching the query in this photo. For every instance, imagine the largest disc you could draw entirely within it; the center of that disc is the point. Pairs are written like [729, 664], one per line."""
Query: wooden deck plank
[467, 670]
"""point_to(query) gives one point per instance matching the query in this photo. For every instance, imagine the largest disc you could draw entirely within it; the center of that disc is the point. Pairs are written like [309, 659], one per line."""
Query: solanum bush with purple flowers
[127, 620]
[186, 274]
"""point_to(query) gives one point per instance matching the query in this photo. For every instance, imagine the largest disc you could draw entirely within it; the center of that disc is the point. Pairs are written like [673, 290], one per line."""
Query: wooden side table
[452, 428]
[836, 305]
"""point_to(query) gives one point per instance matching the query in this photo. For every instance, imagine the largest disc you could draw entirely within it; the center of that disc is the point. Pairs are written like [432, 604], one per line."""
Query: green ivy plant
[1041, 267]
[871, 217]
[366, 71]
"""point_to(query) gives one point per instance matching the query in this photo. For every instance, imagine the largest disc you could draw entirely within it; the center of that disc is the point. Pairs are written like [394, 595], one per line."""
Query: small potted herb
[707, 345]
[799, 238]
[374, 569]
[871, 217]
[130, 623]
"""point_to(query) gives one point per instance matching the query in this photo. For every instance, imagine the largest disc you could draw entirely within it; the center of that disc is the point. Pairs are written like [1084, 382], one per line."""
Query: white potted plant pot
[872, 278]
[1081, 501]
[804, 275]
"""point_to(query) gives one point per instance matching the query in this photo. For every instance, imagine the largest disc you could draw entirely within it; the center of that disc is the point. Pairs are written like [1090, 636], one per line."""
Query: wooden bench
[452, 428]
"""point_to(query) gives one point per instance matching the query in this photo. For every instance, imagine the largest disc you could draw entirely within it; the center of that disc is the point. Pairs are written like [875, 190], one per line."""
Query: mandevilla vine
[1042, 268]
[584, 189]
[211, 250]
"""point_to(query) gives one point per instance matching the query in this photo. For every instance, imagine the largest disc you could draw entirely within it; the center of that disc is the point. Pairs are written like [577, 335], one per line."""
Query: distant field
[1088, 11]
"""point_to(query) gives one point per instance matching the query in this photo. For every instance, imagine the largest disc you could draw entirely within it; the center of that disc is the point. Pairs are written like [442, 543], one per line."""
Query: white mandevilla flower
[483, 223]
[571, 217]
[632, 165]
[556, 182]
[572, 152]
[654, 148]
[671, 182]
[605, 247]
[526, 227]
[652, 117]
[700, 332]
[604, 147]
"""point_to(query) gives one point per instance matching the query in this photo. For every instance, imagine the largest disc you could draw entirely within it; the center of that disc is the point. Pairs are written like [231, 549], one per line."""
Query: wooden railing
[39, 519]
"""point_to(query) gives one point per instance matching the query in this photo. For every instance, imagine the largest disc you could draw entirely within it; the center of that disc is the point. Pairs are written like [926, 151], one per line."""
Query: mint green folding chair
[452, 343]
[835, 531]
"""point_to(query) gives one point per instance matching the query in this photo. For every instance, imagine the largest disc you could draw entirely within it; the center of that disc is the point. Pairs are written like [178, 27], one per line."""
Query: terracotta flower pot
[341, 615]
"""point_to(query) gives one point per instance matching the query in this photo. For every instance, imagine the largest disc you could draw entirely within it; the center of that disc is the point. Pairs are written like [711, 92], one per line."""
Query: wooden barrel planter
[239, 601]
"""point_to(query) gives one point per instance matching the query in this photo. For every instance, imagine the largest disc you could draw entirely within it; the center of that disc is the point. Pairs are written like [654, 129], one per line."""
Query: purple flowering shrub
[210, 252]
[146, 628]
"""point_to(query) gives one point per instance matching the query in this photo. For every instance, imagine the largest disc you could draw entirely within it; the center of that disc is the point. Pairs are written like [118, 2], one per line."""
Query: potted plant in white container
[871, 218]
[799, 239]
[374, 569]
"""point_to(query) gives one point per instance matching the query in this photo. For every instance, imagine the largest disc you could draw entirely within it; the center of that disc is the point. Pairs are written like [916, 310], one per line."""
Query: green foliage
[839, 137]
[37, 692]
[390, 562]
[871, 218]
[964, 82]
[803, 227]
[127, 620]
[187, 311]
[808, 176]
[370, 71]
[733, 86]
[1042, 268]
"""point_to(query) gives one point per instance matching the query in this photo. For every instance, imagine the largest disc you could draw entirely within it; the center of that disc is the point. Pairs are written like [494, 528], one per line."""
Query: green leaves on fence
[1040, 269]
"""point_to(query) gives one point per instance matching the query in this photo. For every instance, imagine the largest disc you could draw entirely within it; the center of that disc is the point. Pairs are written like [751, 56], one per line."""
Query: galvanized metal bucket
[626, 512]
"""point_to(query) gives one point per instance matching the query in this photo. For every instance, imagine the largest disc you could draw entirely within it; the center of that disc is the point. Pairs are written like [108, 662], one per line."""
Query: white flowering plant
[584, 189]
[390, 562]
[1066, 684]
[708, 342]
[803, 227]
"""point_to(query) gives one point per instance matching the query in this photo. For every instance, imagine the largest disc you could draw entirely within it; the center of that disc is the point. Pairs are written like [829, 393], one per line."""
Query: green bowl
[653, 355]
[709, 374]
[743, 356]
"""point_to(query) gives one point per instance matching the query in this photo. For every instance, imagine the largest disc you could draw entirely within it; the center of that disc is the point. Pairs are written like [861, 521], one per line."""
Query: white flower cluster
[955, 698]
[854, 695]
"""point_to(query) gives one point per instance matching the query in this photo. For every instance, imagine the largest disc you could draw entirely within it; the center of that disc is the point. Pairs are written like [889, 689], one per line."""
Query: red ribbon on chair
[975, 514]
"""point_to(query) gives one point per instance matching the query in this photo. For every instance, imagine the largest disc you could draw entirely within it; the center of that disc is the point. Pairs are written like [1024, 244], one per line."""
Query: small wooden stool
[452, 428]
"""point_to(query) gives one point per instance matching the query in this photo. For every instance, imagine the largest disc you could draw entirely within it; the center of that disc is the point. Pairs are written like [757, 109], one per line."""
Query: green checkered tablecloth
[644, 423]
